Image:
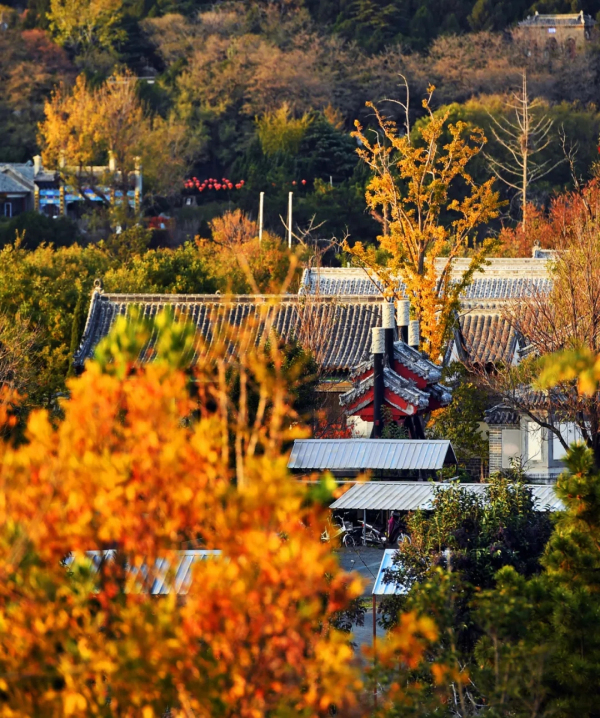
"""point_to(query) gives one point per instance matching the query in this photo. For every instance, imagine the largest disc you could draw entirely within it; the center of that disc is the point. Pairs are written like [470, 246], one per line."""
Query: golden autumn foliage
[84, 125]
[241, 263]
[414, 184]
[147, 461]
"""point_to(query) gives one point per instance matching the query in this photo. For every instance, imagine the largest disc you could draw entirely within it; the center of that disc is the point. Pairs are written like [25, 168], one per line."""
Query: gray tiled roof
[505, 287]
[502, 414]
[11, 182]
[350, 280]
[500, 279]
[347, 339]
[488, 338]
[26, 171]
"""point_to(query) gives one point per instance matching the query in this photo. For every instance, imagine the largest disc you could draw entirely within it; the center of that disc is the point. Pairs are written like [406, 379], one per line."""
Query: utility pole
[261, 207]
[290, 220]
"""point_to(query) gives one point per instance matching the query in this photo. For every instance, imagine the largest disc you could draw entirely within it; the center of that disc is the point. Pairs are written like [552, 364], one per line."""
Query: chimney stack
[378, 348]
[403, 319]
[37, 165]
[414, 338]
[388, 322]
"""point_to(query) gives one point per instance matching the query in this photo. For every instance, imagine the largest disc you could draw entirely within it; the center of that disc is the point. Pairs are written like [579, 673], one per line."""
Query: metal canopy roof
[391, 588]
[368, 454]
[165, 578]
[413, 495]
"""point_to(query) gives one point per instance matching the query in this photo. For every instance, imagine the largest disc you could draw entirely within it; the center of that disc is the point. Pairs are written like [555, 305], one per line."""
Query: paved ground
[366, 561]
[363, 635]
[363, 559]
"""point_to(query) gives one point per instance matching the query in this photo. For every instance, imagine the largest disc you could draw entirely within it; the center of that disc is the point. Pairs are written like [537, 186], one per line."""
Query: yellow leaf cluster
[415, 183]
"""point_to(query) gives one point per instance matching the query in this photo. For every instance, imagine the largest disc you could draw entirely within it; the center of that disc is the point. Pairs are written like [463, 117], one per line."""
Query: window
[534, 441]
[8, 209]
[570, 433]
[511, 446]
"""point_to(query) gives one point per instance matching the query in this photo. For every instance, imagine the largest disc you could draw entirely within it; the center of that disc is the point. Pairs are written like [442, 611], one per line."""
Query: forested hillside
[265, 94]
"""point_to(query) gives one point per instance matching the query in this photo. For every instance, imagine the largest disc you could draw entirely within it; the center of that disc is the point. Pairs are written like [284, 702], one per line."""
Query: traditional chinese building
[334, 315]
[396, 384]
[550, 34]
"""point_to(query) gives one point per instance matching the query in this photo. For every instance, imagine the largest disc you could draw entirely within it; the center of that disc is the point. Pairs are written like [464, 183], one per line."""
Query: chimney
[403, 319]
[378, 348]
[414, 338]
[37, 165]
[388, 322]
[112, 162]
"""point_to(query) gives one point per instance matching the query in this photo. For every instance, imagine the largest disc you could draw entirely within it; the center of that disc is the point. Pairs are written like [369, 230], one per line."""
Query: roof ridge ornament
[98, 285]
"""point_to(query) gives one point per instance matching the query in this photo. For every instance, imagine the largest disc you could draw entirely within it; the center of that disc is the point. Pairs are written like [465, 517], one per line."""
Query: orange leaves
[407, 643]
[140, 462]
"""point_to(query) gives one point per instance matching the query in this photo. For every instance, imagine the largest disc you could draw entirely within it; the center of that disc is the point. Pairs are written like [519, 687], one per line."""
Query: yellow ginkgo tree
[431, 208]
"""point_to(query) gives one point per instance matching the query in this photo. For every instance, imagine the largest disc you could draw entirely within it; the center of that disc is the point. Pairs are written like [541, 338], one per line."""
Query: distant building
[552, 34]
[27, 186]
[21, 184]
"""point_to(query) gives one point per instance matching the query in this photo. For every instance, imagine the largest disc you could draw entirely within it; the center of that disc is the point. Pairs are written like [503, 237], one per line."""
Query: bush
[37, 228]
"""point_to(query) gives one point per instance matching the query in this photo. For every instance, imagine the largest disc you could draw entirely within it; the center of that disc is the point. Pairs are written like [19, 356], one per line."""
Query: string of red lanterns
[222, 184]
[212, 183]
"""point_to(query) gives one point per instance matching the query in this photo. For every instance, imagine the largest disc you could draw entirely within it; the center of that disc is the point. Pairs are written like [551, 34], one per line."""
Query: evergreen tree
[76, 332]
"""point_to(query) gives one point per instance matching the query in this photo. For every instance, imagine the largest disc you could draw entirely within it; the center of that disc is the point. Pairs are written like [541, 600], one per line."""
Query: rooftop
[558, 20]
[499, 279]
[414, 495]
[341, 455]
[341, 325]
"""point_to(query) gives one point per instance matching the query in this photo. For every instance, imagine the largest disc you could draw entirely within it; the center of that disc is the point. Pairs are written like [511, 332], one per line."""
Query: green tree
[86, 25]
[278, 131]
[474, 534]
[50, 289]
[460, 422]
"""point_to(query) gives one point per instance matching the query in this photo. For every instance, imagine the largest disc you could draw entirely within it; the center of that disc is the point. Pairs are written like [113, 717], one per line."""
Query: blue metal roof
[380, 587]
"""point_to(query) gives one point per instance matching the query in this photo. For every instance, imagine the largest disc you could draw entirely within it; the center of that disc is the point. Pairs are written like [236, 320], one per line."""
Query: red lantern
[242, 182]
[294, 182]
[217, 186]
[238, 186]
[303, 181]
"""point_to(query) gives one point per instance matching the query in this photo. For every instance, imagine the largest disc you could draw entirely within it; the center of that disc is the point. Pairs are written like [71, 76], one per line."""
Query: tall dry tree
[524, 138]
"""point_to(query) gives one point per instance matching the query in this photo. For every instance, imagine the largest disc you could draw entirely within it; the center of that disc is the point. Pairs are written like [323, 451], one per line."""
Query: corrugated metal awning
[413, 495]
[161, 572]
[380, 587]
[370, 454]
